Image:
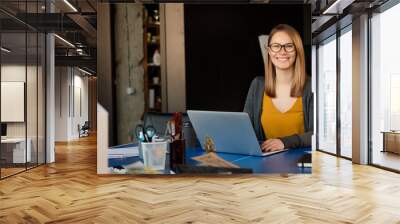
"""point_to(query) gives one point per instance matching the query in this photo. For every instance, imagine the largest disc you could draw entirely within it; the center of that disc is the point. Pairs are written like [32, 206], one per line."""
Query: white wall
[61, 103]
[79, 117]
[13, 100]
[33, 126]
[16, 73]
[12, 73]
[102, 140]
[71, 87]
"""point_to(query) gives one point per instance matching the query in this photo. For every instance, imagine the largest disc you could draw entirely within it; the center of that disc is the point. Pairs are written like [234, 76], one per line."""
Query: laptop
[232, 132]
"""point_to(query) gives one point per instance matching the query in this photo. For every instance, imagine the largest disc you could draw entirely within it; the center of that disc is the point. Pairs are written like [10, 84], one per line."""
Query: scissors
[144, 134]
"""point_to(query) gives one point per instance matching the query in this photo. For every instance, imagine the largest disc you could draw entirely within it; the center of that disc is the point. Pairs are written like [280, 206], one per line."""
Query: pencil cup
[153, 154]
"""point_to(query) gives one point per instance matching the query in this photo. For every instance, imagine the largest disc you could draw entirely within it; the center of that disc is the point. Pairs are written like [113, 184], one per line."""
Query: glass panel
[327, 96]
[31, 98]
[31, 87]
[41, 98]
[23, 88]
[385, 84]
[346, 94]
[13, 89]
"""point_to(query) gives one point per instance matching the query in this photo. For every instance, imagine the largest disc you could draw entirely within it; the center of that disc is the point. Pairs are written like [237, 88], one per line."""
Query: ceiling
[16, 43]
[76, 22]
[73, 20]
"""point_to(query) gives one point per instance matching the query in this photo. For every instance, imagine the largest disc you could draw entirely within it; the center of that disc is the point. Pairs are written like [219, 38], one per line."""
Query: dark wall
[223, 53]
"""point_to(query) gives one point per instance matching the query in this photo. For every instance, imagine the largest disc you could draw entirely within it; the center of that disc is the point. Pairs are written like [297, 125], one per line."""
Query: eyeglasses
[289, 47]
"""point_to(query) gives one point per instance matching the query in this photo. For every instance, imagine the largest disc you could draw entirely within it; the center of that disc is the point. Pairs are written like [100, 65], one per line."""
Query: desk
[284, 162]
[13, 150]
[391, 141]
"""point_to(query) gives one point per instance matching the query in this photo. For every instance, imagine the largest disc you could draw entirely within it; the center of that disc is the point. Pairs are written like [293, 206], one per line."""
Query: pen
[173, 133]
[146, 138]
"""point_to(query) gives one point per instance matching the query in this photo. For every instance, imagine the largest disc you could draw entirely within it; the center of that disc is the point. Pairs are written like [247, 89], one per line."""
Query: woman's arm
[249, 104]
[297, 141]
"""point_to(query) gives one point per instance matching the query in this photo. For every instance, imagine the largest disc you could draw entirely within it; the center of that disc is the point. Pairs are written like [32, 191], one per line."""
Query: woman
[280, 105]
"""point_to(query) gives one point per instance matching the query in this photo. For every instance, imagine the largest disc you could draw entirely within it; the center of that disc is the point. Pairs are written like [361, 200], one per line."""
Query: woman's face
[282, 57]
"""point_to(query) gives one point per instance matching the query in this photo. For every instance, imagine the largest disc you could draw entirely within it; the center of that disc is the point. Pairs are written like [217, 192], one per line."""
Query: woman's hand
[272, 145]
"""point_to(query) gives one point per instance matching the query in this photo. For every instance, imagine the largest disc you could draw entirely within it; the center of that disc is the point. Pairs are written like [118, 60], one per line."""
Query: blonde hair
[299, 77]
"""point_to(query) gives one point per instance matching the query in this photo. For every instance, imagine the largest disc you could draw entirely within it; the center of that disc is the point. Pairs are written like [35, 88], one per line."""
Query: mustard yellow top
[277, 124]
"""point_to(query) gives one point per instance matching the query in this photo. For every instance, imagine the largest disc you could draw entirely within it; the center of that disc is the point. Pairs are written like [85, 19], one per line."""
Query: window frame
[334, 37]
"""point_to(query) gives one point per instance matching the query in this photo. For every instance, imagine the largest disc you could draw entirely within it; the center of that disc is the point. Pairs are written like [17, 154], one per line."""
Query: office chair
[84, 130]
[159, 122]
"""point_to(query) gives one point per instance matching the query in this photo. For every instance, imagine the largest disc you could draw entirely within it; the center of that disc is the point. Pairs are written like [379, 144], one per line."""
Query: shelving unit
[152, 66]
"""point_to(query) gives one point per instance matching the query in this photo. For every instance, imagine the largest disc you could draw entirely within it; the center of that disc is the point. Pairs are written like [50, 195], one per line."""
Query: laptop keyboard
[274, 152]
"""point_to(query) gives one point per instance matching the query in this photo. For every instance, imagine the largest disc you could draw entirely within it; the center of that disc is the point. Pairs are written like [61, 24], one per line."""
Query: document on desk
[123, 152]
[212, 159]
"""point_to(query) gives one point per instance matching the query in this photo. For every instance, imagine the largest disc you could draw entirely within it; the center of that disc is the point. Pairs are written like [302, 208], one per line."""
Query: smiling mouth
[282, 59]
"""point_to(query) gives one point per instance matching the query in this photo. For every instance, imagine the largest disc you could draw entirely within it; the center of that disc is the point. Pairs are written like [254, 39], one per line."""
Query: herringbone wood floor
[69, 191]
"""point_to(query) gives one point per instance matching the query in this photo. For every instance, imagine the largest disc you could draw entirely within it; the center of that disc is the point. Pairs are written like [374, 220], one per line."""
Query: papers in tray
[212, 159]
[123, 152]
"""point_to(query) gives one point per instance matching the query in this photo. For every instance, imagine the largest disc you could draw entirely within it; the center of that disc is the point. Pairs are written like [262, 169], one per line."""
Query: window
[327, 96]
[385, 87]
[346, 92]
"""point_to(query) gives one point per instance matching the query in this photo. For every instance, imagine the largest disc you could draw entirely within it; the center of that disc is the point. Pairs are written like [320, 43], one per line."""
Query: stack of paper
[123, 152]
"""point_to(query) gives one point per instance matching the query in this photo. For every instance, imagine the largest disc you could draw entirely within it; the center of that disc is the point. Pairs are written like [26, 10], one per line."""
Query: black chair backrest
[86, 125]
[159, 122]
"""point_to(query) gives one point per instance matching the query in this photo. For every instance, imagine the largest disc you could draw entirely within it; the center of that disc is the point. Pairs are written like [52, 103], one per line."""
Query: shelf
[156, 44]
[154, 85]
[154, 25]
[153, 91]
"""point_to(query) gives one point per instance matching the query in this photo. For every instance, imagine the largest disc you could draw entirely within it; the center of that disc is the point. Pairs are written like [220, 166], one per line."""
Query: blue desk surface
[284, 162]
